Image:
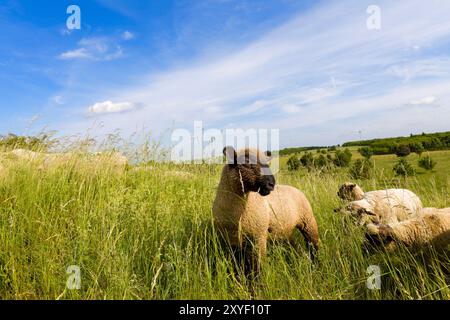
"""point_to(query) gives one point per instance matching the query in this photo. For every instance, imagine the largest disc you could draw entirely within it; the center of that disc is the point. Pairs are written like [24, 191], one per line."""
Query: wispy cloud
[127, 35]
[290, 108]
[322, 69]
[424, 101]
[80, 53]
[96, 48]
[59, 100]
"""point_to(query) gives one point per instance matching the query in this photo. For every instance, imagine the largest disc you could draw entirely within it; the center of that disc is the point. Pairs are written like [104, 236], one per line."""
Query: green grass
[147, 233]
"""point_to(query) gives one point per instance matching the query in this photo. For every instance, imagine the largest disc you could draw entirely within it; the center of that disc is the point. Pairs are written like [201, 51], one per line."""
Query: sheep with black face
[249, 207]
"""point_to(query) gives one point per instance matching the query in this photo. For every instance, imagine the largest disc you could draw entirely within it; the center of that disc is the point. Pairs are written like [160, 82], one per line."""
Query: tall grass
[147, 233]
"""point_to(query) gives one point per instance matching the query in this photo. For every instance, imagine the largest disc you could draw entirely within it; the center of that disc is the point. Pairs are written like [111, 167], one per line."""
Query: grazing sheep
[350, 191]
[381, 206]
[26, 155]
[249, 207]
[102, 160]
[430, 229]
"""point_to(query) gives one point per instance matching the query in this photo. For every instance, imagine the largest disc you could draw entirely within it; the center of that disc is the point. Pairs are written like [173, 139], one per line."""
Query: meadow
[147, 233]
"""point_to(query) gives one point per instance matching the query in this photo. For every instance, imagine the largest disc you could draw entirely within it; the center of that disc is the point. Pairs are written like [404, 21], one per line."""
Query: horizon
[314, 70]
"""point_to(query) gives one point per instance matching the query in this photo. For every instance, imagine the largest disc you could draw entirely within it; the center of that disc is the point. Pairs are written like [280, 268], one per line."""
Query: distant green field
[384, 163]
[147, 233]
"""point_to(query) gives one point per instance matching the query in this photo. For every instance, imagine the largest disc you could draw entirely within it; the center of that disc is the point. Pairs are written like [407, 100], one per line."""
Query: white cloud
[127, 35]
[424, 101]
[110, 107]
[80, 53]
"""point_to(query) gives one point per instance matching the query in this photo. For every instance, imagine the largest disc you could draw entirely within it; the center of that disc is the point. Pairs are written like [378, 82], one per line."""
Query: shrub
[322, 162]
[342, 158]
[362, 169]
[366, 152]
[12, 141]
[307, 160]
[293, 163]
[427, 163]
[403, 168]
[403, 151]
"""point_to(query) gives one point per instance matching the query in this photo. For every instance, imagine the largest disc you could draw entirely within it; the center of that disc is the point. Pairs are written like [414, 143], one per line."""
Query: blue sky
[309, 68]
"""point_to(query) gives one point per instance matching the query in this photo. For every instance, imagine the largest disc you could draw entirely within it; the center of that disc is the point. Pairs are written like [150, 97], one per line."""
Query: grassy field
[147, 233]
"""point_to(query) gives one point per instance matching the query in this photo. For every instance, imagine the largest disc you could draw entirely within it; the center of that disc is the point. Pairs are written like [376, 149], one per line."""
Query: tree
[402, 151]
[427, 163]
[342, 158]
[293, 163]
[366, 152]
[403, 168]
[361, 169]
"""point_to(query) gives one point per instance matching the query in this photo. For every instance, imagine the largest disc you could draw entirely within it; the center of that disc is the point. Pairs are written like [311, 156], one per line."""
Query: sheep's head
[379, 236]
[351, 192]
[360, 210]
[250, 168]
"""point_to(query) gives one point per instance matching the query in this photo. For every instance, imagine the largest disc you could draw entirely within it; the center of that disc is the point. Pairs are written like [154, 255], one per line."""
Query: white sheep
[380, 206]
[430, 229]
[249, 207]
[27, 155]
[350, 191]
[114, 161]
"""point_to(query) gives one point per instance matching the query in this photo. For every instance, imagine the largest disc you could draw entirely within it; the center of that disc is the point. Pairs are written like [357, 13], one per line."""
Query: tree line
[415, 143]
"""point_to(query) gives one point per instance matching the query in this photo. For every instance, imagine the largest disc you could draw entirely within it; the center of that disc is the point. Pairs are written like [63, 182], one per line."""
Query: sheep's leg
[261, 251]
[254, 253]
[310, 232]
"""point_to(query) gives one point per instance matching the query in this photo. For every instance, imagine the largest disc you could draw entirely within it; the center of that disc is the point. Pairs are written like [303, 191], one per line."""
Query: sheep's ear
[230, 155]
